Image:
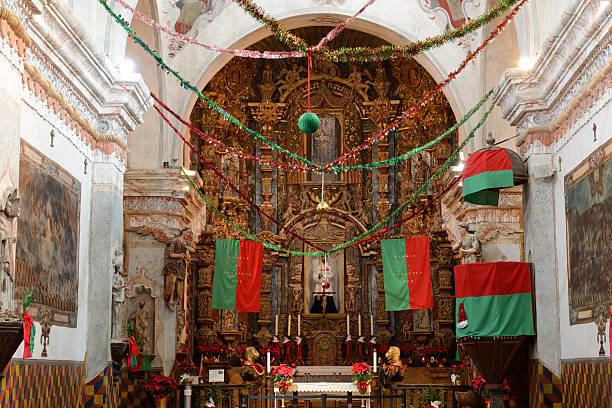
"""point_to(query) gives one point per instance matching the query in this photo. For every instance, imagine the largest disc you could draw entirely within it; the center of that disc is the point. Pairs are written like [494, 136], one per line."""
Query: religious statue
[175, 269]
[356, 77]
[323, 280]
[250, 368]
[469, 247]
[288, 77]
[9, 211]
[118, 293]
[139, 323]
[394, 367]
[421, 175]
[228, 318]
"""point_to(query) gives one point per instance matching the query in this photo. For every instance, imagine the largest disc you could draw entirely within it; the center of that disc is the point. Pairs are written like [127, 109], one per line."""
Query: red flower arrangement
[459, 369]
[160, 386]
[283, 377]
[215, 353]
[433, 355]
[362, 376]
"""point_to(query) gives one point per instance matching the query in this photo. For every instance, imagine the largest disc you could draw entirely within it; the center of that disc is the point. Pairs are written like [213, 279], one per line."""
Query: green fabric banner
[496, 315]
[395, 272]
[225, 278]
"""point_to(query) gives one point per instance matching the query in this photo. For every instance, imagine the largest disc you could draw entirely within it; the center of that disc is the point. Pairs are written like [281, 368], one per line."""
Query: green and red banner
[237, 279]
[493, 299]
[406, 273]
[484, 173]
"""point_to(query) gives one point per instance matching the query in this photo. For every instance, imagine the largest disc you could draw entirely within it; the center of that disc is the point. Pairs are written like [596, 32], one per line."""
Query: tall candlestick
[348, 325]
[289, 327]
[268, 362]
[359, 324]
[375, 360]
[276, 325]
[299, 325]
[371, 324]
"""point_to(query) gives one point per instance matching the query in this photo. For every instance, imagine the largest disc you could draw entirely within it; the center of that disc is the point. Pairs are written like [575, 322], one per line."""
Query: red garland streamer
[431, 94]
[380, 135]
[280, 225]
[233, 187]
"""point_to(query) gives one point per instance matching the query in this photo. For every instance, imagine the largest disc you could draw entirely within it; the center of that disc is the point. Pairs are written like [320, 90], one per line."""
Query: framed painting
[48, 237]
[588, 205]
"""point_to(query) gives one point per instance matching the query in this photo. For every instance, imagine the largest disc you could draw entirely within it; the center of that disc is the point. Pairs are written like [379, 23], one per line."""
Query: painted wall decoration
[451, 12]
[189, 12]
[588, 204]
[48, 237]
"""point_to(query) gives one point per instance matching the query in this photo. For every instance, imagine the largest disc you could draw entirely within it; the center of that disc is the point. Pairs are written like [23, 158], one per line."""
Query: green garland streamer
[372, 230]
[213, 106]
[403, 157]
[382, 53]
[187, 85]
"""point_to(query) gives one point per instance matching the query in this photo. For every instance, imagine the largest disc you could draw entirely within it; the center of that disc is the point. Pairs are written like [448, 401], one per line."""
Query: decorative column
[267, 114]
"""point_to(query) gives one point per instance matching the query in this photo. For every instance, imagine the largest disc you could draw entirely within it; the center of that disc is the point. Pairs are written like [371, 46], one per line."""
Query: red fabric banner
[492, 278]
[248, 288]
[486, 160]
[419, 277]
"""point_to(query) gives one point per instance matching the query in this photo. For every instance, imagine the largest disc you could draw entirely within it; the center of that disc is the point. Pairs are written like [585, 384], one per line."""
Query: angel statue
[469, 247]
[394, 367]
[251, 369]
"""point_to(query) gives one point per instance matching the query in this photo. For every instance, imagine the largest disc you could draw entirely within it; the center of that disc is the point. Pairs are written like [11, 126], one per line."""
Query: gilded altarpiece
[354, 101]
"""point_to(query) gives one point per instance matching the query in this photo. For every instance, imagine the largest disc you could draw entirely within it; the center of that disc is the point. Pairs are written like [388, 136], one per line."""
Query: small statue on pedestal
[469, 247]
[251, 369]
[118, 294]
[139, 321]
[175, 269]
[394, 368]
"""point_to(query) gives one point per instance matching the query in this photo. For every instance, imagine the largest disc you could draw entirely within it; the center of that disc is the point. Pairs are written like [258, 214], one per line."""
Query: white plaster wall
[65, 343]
[577, 341]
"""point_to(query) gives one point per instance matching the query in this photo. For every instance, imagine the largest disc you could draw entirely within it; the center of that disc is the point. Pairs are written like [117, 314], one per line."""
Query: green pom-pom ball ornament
[309, 122]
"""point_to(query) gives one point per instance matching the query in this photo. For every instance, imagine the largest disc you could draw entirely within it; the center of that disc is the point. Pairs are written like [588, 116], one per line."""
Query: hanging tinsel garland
[289, 167]
[187, 85]
[368, 235]
[365, 54]
[347, 54]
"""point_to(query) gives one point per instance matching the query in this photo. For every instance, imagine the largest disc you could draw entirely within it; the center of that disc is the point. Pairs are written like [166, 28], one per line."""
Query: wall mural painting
[189, 13]
[48, 236]
[454, 12]
[588, 203]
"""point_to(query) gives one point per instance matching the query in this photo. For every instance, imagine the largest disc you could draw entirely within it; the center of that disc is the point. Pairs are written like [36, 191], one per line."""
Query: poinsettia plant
[362, 376]
[160, 386]
[458, 371]
[283, 377]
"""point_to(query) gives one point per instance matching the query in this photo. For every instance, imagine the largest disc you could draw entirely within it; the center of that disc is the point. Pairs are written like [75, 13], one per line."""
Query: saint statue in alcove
[324, 286]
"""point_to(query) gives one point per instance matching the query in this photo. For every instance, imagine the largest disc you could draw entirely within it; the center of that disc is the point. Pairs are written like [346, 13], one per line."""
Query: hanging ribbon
[298, 354]
[29, 331]
[371, 350]
[288, 351]
[359, 346]
[309, 68]
[277, 350]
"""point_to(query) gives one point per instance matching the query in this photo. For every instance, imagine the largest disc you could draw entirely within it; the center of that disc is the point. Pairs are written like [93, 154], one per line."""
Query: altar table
[340, 388]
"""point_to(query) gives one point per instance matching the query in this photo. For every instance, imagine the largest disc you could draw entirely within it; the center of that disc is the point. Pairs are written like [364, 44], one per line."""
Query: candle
[348, 325]
[371, 324]
[268, 362]
[289, 327]
[359, 324]
[375, 360]
[276, 325]
[299, 324]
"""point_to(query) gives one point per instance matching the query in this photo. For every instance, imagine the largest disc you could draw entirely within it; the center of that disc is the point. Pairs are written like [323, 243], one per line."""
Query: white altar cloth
[323, 388]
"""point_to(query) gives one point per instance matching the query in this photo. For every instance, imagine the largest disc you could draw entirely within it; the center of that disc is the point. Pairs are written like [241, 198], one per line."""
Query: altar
[318, 388]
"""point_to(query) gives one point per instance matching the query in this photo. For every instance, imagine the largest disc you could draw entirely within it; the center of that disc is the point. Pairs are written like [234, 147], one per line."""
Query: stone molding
[66, 56]
[571, 74]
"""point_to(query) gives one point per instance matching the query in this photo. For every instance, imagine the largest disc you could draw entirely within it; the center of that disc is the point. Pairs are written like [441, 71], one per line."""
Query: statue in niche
[326, 67]
[118, 294]
[175, 269]
[231, 171]
[324, 287]
[297, 299]
[139, 324]
[10, 210]
[421, 175]
[228, 320]
[423, 320]
[469, 247]
[356, 77]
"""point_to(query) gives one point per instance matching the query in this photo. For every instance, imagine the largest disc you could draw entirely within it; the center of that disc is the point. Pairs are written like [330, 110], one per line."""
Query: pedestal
[493, 357]
[119, 350]
[11, 336]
